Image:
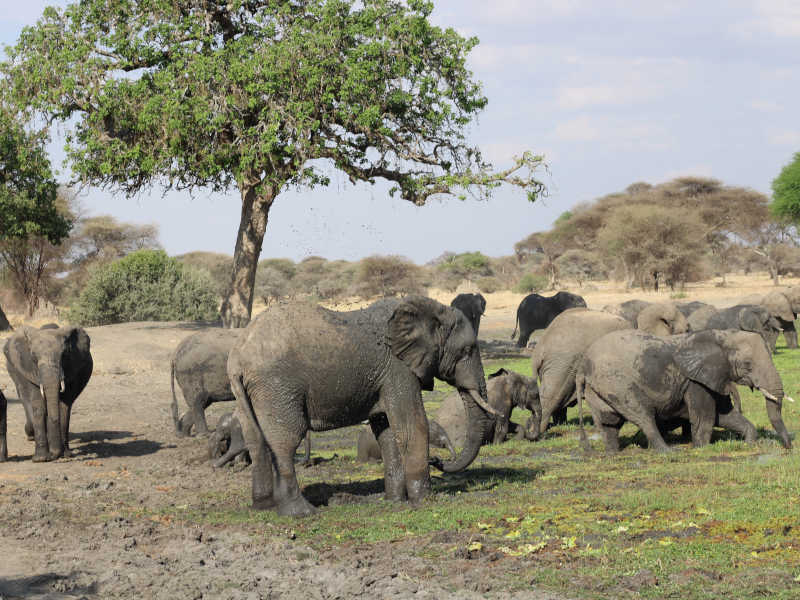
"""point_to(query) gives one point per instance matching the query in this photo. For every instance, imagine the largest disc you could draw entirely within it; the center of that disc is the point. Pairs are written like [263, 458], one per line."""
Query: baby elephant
[227, 442]
[368, 448]
[507, 390]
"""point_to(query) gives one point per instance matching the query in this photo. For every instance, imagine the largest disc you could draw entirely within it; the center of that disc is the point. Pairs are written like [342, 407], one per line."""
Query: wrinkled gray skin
[556, 358]
[789, 332]
[628, 310]
[537, 312]
[227, 443]
[781, 309]
[200, 365]
[473, 306]
[50, 368]
[367, 448]
[300, 367]
[633, 376]
[699, 318]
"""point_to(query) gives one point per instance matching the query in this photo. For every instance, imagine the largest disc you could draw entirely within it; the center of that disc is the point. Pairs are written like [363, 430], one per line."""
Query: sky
[611, 92]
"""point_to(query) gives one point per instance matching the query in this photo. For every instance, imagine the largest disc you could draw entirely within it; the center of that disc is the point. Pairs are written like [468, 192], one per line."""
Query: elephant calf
[369, 450]
[227, 442]
[200, 365]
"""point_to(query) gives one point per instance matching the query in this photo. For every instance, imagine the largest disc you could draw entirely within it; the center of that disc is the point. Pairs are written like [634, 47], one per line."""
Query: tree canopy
[786, 192]
[246, 94]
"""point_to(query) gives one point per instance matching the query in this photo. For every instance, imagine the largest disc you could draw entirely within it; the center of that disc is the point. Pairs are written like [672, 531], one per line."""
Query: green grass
[720, 521]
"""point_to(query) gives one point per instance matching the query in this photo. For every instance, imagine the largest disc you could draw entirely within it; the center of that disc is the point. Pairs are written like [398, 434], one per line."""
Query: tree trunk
[237, 305]
[4, 324]
[773, 272]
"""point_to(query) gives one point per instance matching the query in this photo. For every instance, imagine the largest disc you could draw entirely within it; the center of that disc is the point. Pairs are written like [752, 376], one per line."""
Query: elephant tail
[240, 393]
[174, 406]
[580, 386]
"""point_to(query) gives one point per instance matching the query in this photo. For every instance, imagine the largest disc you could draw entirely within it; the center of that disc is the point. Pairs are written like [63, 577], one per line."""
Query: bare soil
[98, 525]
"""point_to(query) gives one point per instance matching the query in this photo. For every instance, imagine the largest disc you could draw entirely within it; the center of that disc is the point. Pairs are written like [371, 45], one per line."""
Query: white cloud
[578, 97]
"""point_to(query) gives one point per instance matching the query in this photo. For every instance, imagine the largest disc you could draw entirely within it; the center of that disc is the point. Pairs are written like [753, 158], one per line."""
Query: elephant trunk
[52, 381]
[479, 428]
[773, 395]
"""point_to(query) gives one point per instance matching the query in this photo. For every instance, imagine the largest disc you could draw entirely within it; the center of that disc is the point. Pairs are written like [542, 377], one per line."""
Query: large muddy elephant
[50, 368]
[537, 312]
[633, 376]
[300, 367]
[200, 365]
[780, 308]
[744, 317]
[473, 306]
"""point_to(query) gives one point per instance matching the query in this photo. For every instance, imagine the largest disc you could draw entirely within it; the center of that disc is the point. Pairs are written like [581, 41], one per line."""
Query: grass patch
[720, 521]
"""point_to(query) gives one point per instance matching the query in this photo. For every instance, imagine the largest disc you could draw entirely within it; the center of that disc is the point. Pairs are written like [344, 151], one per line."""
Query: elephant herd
[298, 368]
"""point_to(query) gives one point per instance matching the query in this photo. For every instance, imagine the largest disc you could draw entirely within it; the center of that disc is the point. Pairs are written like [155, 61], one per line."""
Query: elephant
[299, 367]
[628, 310]
[536, 312]
[556, 357]
[227, 443]
[789, 332]
[634, 376]
[744, 317]
[687, 308]
[699, 318]
[50, 368]
[662, 319]
[200, 364]
[473, 306]
[367, 448]
[507, 390]
[782, 310]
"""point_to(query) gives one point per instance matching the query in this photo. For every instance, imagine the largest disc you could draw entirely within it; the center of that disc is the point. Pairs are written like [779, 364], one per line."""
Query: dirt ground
[70, 529]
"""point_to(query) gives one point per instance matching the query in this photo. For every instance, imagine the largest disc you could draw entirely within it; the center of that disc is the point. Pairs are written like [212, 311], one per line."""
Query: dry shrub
[387, 276]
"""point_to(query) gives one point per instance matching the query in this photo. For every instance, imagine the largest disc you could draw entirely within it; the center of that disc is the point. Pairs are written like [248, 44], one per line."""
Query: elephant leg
[394, 482]
[734, 420]
[199, 416]
[647, 423]
[790, 335]
[23, 387]
[3, 428]
[702, 410]
[65, 414]
[500, 429]
[39, 421]
[402, 400]
[609, 423]
[236, 447]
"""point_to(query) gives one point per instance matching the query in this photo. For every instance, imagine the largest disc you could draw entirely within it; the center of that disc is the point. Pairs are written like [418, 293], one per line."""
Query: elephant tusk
[63, 387]
[767, 395]
[484, 405]
[41, 389]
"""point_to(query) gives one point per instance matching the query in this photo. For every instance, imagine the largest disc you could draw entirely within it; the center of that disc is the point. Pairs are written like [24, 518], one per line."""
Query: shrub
[489, 285]
[531, 283]
[387, 276]
[146, 285]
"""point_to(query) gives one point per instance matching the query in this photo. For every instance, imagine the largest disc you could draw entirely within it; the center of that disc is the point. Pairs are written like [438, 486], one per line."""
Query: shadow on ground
[46, 585]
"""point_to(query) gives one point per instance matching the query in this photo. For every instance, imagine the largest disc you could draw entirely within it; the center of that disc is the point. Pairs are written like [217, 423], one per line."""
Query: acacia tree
[30, 218]
[786, 192]
[245, 93]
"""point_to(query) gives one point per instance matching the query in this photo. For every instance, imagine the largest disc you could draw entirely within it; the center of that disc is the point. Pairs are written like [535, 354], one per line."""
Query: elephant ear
[482, 302]
[498, 373]
[20, 345]
[702, 359]
[415, 337]
[749, 321]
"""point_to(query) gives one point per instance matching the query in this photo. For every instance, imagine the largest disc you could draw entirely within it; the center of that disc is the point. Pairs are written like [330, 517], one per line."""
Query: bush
[387, 276]
[531, 283]
[146, 285]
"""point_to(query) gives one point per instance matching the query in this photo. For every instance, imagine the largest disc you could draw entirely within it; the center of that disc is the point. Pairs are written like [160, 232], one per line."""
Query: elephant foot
[264, 503]
[67, 453]
[30, 437]
[299, 507]
[418, 490]
[41, 457]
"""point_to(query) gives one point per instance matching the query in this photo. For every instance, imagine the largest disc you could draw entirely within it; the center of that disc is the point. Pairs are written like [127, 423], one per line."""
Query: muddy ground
[70, 529]
[97, 525]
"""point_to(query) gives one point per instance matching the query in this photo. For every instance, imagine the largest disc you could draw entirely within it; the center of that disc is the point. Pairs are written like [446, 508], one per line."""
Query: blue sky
[612, 92]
